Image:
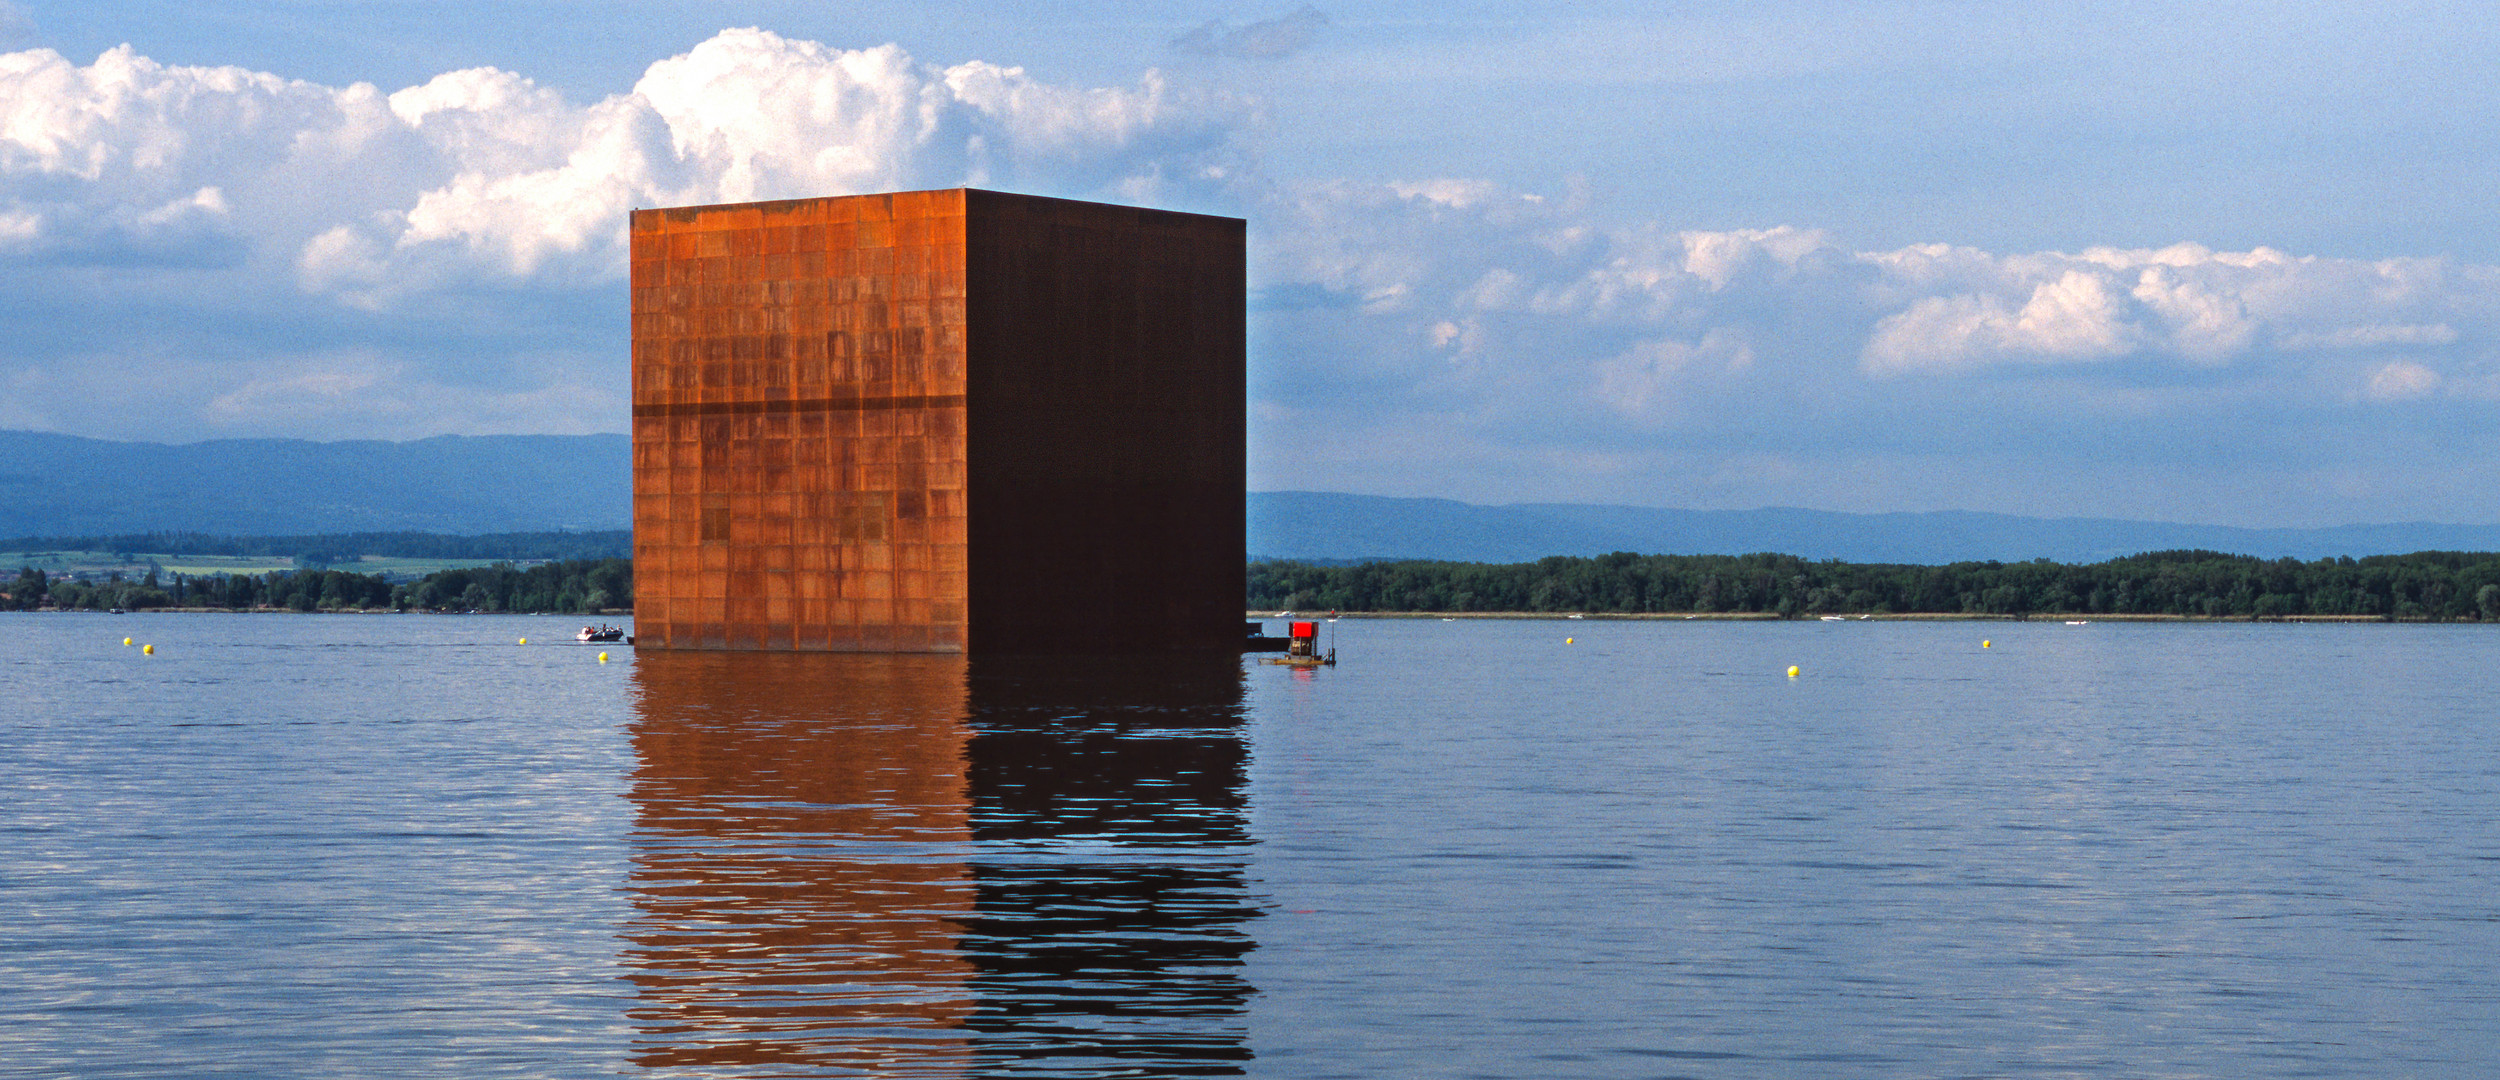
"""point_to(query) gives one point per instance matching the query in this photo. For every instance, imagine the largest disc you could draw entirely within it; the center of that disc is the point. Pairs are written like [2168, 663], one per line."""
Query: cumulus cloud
[1447, 254]
[1664, 354]
[125, 160]
[1266, 39]
[2074, 317]
[2183, 302]
[484, 175]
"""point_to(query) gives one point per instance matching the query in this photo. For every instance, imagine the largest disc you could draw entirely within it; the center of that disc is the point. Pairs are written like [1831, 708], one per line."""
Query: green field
[99, 564]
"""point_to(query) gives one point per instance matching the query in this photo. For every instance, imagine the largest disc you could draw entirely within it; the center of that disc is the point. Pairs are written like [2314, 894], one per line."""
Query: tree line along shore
[579, 586]
[2424, 586]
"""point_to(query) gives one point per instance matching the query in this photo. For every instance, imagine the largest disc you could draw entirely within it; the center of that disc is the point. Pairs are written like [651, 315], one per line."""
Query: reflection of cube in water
[937, 420]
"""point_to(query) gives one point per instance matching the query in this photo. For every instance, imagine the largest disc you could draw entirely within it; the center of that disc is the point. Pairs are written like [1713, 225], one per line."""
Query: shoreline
[1765, 616]
[603, 613]
[1551, 616]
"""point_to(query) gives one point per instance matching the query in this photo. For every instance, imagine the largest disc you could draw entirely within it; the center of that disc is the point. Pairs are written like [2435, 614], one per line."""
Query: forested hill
[1316, 526]
[61, 485]
[327, 548]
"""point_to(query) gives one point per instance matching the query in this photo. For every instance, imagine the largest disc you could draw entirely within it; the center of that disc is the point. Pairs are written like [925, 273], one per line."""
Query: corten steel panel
[934, 420]
[1106, 428]
[798, 425]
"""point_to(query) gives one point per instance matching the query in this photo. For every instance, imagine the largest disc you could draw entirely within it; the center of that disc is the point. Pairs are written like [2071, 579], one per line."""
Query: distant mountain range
[1323, 525]
[61, 485]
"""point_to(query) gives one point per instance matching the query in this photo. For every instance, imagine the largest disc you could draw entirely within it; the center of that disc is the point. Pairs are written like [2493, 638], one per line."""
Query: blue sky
[2231, 263]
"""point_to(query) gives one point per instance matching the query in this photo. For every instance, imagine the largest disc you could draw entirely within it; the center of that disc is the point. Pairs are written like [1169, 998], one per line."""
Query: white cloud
[1266, 39]
[2206, 324]
[128, 161]
[1642, 382]
[1540, 330]
[2371, 336]
[1467, 261]
[542, 187]
[2077, 316]
[1456, 194]
[2400, 380]
[1719, 258]
[482, 175]
[2183, 303]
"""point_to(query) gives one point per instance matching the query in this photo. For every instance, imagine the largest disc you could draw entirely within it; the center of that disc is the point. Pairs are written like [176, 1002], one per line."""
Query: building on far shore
[938, 421]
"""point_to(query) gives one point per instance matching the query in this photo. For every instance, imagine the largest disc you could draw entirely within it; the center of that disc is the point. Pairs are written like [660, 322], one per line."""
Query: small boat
[601, 632]
[1835, 618]
[1302, 648]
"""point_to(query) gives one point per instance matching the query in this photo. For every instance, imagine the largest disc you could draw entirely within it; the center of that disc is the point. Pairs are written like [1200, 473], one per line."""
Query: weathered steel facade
[935, 421]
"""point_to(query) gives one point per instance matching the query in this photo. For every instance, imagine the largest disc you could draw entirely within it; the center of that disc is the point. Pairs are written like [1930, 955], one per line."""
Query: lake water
[392, 846]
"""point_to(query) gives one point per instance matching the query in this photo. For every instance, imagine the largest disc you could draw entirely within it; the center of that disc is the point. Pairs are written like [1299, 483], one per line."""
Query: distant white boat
[1835, 618]
[2075, 622]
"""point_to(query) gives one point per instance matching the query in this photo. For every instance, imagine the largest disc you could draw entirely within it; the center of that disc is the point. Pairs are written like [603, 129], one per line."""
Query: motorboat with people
[601, 632]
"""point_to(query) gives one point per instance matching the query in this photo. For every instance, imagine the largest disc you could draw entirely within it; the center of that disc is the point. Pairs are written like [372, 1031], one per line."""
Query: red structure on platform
[936, 421]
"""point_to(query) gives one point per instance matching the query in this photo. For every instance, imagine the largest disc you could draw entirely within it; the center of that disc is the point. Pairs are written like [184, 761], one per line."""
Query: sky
[2228, 263]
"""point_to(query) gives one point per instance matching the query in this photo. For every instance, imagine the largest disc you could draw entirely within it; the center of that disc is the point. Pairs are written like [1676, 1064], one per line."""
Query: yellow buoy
[1983, 645]
[125, 641]
[525, 641]
[148, 649]
[1566, 641]
[1792, 671]
[603, 658]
